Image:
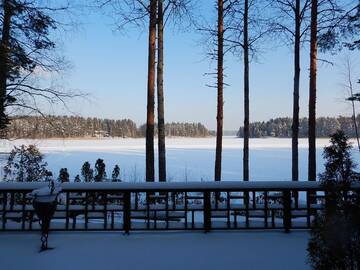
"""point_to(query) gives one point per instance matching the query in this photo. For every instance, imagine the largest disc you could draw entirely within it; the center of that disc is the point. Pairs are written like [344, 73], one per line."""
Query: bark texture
[220, 88]
[150, 171]
[4, 48]
[295, 124]
[312, 92]
[160, 93]
[246, 93]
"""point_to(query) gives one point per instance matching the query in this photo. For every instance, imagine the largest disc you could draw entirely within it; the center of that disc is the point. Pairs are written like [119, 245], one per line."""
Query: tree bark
[150, 171]
[160, 93]
[312, 92]
[246, 94]
[295, 124]
[220, 86]
[4, 46]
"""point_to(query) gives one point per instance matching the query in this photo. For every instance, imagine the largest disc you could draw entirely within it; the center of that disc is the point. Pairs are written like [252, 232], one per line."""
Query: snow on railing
[223, 185]
[205, 206]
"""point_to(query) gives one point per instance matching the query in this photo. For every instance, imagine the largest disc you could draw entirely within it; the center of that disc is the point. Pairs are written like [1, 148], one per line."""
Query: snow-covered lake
[188, 159]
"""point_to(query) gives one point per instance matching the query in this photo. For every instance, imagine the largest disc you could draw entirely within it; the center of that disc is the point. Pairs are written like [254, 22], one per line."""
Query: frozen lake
[188, 159]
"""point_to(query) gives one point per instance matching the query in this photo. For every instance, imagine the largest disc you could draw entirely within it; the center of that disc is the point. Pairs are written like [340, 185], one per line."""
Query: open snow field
[161, 251]
[188, 159]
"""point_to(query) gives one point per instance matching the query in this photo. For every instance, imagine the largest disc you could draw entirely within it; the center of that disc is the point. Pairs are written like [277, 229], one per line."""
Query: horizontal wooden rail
[168, 206]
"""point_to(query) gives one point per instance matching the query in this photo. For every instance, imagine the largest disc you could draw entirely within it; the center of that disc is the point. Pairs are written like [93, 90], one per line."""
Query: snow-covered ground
[160, 251]
[188, 159]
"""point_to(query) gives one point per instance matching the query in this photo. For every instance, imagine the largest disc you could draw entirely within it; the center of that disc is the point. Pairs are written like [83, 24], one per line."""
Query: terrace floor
[156, 250]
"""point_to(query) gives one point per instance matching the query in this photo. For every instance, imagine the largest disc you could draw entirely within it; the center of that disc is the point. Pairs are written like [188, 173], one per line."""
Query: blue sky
[112, 67]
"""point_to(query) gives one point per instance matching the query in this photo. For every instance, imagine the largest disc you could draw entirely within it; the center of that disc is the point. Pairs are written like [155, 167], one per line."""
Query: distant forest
[281, 127]
[37, 127]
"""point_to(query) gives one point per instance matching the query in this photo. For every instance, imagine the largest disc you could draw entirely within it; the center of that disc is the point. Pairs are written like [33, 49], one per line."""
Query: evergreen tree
[115, 174]
[27, 47]
[25, 164]
[335, 236]
[86, 172]
[100, 170]
[77, 179]
[63, 175]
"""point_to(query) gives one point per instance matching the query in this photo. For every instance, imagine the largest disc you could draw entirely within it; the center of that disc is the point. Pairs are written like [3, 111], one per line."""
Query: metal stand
[45, 211]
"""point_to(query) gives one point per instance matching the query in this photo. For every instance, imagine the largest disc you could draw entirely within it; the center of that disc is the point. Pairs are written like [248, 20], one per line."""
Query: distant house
[101, 134]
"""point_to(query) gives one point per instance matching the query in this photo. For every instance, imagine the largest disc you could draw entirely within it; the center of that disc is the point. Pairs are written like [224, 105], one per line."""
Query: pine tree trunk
[160, 94]
[4, 45]
[246, 94]
[312, 92]
[295, 124]
[220, 85]
[150, 171]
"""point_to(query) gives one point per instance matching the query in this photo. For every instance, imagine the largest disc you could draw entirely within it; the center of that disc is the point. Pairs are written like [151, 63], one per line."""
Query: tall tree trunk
[353, 103]
[150, 171]
[220, 86]
[160, 93]
[312, 92]
[295, 124]
[4, 46]
[246, 93]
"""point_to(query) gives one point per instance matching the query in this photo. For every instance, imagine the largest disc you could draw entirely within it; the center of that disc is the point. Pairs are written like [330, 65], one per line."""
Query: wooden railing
[168, 206]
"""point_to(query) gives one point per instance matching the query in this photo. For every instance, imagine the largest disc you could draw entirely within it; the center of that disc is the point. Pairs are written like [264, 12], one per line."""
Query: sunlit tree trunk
[312, 92]
[295, 124]
[150, 172]
[4, 45]
[220, 86]
[160, 93]
[246, 93]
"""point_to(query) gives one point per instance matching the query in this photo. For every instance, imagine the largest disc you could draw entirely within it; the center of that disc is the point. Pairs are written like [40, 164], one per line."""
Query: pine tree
[26, 164]
[63, 175]
[100, 170]
[335, 236]
[77, 179]
[86, 172]
[115, 174]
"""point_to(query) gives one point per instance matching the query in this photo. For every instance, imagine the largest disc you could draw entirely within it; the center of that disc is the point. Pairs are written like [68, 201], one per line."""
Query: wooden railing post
[287, 210]
[207, 211]
[4, 210]
[127, 212]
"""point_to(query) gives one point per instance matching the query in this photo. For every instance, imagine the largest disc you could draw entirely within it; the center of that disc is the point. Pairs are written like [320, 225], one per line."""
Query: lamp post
[44, 203]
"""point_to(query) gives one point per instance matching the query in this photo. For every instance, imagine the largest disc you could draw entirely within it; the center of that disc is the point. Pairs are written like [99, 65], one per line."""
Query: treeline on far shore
[281, 127]
[38, 127]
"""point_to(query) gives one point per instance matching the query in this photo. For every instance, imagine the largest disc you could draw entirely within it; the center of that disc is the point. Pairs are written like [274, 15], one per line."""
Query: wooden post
[207, 211]
[4, 210]
[287, 210]
[127, 212]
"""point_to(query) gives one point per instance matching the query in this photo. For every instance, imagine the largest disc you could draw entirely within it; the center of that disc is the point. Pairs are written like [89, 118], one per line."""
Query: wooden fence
[167, 206]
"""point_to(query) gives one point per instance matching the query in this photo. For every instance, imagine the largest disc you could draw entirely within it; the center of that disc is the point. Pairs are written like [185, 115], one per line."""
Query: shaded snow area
[158, 251]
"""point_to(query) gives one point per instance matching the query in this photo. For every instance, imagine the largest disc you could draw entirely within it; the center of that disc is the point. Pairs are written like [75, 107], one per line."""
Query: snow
[42, 189]
[138, 144]
[188, 159]
[158, 251]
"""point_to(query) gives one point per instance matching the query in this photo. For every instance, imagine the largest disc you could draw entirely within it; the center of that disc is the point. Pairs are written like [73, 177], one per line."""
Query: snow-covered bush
[86, 172]
[100, 170]
[335, 236]
[63, 175]
[26, 164]
[115, 174]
